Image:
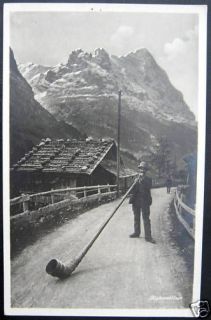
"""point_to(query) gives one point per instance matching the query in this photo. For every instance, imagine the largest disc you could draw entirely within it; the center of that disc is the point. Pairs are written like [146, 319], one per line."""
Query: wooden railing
[29, 202]
[185, 214]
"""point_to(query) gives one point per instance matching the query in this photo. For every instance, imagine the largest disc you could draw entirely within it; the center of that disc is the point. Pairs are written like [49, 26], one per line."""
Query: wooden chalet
[54, 164]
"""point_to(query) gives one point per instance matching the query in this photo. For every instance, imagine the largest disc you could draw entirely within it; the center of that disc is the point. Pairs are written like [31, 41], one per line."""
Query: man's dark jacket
[140, 195]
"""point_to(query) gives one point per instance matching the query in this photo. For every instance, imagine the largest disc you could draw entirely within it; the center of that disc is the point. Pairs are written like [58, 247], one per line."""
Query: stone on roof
[70, 156]
[111, 166]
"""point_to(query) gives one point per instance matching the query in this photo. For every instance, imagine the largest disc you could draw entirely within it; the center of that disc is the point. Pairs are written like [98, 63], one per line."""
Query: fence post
[36, 203]
[179, 208]
[52, 197]
[125, 185]
[25, 199]
[99, 194]
[85, 193]
[109, 188]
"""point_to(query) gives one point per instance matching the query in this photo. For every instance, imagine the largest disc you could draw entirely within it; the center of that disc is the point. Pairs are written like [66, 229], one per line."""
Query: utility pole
[118, 141]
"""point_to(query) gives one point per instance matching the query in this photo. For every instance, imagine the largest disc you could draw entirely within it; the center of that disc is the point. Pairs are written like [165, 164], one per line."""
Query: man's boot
[134, 235]
[150, 240]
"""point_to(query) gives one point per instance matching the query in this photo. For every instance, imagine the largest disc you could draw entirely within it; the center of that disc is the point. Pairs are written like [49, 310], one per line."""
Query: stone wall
[29, 225]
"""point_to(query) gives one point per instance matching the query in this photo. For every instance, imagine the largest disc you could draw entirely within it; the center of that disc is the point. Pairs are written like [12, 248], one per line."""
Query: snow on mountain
[30, 70]
[144, 84]
[84, 92]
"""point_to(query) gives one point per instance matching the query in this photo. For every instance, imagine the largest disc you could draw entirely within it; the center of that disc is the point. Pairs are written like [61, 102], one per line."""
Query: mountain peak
[101, 57]
[142, 54]
[80, 57]
[143, 51]
[101, 52]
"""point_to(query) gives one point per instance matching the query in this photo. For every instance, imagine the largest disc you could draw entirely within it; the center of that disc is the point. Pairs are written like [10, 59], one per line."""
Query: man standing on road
[168, 184]
[141, 200]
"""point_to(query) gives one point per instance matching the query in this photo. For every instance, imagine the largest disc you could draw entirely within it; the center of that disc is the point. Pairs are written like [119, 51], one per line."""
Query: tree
[161, 157]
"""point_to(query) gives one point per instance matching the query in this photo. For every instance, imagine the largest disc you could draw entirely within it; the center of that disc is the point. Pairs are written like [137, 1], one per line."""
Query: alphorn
[57, 269]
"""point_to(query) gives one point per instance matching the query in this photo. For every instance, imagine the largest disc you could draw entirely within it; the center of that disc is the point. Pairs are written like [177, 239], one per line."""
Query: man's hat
[143, 165]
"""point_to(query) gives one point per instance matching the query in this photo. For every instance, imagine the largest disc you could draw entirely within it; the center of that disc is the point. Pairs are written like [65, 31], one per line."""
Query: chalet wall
[102, 177]
[34, 182]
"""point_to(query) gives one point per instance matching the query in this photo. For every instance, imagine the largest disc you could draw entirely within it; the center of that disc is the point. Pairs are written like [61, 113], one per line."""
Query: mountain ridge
[84, 92]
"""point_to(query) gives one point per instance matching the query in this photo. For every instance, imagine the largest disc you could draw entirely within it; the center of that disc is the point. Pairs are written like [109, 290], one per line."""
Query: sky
[48, 38]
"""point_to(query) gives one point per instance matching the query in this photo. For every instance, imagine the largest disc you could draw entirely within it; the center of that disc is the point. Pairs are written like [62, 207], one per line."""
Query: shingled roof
[71, 156]
[111, 166]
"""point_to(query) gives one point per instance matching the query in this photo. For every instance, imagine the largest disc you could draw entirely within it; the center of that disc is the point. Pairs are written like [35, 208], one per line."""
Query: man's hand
[137, 178]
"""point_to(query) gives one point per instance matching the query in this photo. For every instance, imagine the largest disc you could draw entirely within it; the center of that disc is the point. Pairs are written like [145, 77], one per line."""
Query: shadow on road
[91, 269]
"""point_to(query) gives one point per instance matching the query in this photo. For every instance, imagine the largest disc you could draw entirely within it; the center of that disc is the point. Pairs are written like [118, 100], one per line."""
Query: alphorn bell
[57, 269]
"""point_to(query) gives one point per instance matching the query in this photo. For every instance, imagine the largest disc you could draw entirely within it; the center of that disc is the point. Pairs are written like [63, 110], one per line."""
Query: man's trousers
[145, 215]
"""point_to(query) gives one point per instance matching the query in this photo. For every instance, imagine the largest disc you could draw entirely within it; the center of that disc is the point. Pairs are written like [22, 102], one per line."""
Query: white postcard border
[201, 10]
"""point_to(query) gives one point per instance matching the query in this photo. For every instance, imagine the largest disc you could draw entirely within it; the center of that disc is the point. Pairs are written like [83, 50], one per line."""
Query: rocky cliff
[29, 121]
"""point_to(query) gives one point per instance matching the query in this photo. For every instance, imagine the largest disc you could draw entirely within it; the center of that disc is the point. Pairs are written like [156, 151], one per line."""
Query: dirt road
[117, 272]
